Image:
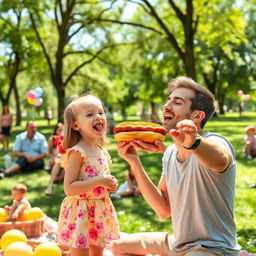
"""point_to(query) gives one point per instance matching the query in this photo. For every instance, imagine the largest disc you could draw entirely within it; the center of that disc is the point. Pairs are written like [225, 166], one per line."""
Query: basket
[31, 228]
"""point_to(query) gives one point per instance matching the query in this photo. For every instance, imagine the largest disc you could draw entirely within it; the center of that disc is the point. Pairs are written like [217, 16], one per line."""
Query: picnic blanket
[50, 227]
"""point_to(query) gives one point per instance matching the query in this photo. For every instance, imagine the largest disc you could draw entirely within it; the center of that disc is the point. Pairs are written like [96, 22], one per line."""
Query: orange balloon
[3, 215]
[11, 236]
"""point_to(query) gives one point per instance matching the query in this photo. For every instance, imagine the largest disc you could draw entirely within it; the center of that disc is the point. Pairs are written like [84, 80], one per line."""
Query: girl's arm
[50, 146]
[129, 181]
[72, 186]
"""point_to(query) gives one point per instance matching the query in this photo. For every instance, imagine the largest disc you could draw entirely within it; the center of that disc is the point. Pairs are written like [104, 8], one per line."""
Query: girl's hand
[110, 182]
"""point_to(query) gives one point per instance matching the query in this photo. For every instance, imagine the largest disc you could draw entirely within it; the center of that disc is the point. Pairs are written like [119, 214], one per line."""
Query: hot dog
[144, 131]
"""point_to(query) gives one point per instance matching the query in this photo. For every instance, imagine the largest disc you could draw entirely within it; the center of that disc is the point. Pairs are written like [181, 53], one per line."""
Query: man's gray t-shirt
[201, 201]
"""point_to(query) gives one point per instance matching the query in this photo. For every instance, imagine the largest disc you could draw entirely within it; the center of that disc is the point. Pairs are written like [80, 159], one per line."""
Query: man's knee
[116, 246]
[200, 253]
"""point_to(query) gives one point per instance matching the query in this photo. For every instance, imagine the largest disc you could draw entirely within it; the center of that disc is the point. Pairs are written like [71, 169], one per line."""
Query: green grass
[133, 213]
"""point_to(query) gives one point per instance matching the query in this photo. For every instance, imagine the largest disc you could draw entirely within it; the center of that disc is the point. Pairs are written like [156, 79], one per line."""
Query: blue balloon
[39, 92]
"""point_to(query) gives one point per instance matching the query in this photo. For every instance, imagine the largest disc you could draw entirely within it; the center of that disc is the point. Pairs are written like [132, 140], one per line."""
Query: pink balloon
[240, 93]
[31, 94]
[247, 97]
[38, 102]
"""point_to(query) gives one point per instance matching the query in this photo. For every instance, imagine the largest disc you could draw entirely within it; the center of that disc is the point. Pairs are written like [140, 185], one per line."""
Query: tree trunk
[154, 114]
[61, 102]
[18, 111]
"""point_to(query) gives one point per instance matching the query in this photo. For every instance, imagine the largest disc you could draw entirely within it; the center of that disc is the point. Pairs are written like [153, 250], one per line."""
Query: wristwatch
[195, 144]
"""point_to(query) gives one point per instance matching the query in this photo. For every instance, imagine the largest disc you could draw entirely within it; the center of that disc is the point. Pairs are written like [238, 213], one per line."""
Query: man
[30, 148]
[197, 185]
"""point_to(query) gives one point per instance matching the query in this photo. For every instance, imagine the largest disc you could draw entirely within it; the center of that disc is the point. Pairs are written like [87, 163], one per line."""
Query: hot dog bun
[144, 131]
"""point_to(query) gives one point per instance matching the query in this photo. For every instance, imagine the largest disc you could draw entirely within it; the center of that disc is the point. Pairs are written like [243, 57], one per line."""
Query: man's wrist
[195, 144]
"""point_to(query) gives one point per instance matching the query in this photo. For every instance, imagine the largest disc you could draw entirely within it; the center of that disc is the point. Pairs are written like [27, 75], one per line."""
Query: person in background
[52, 148]
[30, 149]
[57, 172]
[87, 219]
[20, 202]
[197, 185]
[240, 108]
[250, 142]
[129, 187]
[110, 119]
[5, 127]
[48, 115]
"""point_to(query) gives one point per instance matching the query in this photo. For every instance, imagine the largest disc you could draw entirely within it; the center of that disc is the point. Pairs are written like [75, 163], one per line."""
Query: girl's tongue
[99, 127]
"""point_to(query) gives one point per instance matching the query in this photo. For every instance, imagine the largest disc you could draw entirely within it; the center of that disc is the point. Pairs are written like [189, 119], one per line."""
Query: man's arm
[157, 197]
[210, 154]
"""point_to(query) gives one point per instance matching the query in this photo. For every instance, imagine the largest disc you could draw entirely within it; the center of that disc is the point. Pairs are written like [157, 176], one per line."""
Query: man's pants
[25, 166]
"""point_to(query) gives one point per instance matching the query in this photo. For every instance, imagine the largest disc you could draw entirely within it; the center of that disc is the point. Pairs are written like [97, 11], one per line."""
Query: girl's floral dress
[88, 218]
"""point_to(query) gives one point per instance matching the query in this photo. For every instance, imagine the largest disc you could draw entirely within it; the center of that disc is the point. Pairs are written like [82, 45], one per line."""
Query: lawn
[133, 213]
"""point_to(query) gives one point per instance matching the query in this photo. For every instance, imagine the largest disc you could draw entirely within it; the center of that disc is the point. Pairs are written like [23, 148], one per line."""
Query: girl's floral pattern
[91, 172]
[88, 218]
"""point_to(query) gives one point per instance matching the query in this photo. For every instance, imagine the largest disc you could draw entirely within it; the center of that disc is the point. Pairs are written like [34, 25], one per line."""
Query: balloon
[31, 94]
[34, 213]
[47, 249]
[39, 92]
[31, 101]
[247, 97]
[11, 236]
[240, 93]
[18, 249]
[38, 102]
[3, 215]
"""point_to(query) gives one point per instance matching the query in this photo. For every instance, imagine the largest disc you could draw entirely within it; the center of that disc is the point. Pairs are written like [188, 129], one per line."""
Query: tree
[71, 20]
[12, 37]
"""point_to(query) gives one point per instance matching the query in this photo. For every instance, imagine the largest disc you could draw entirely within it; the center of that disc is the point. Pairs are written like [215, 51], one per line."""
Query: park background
[125, 52]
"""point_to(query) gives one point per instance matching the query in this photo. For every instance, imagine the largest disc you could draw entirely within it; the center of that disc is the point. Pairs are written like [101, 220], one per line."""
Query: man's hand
[127, 151]
[30, 158]
[158, 146]
[185, 133]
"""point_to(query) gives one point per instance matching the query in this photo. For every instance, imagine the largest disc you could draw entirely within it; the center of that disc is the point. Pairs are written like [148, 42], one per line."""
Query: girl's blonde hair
[71, 136]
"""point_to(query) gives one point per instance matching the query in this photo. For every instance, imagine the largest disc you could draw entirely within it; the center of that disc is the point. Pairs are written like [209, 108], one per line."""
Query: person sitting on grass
[250, 142]
[20, 202]
[129, 187]
[57, 172]
[30, 148]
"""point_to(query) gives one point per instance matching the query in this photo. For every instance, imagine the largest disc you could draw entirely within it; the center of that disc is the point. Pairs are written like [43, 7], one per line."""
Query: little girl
[87, 220]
